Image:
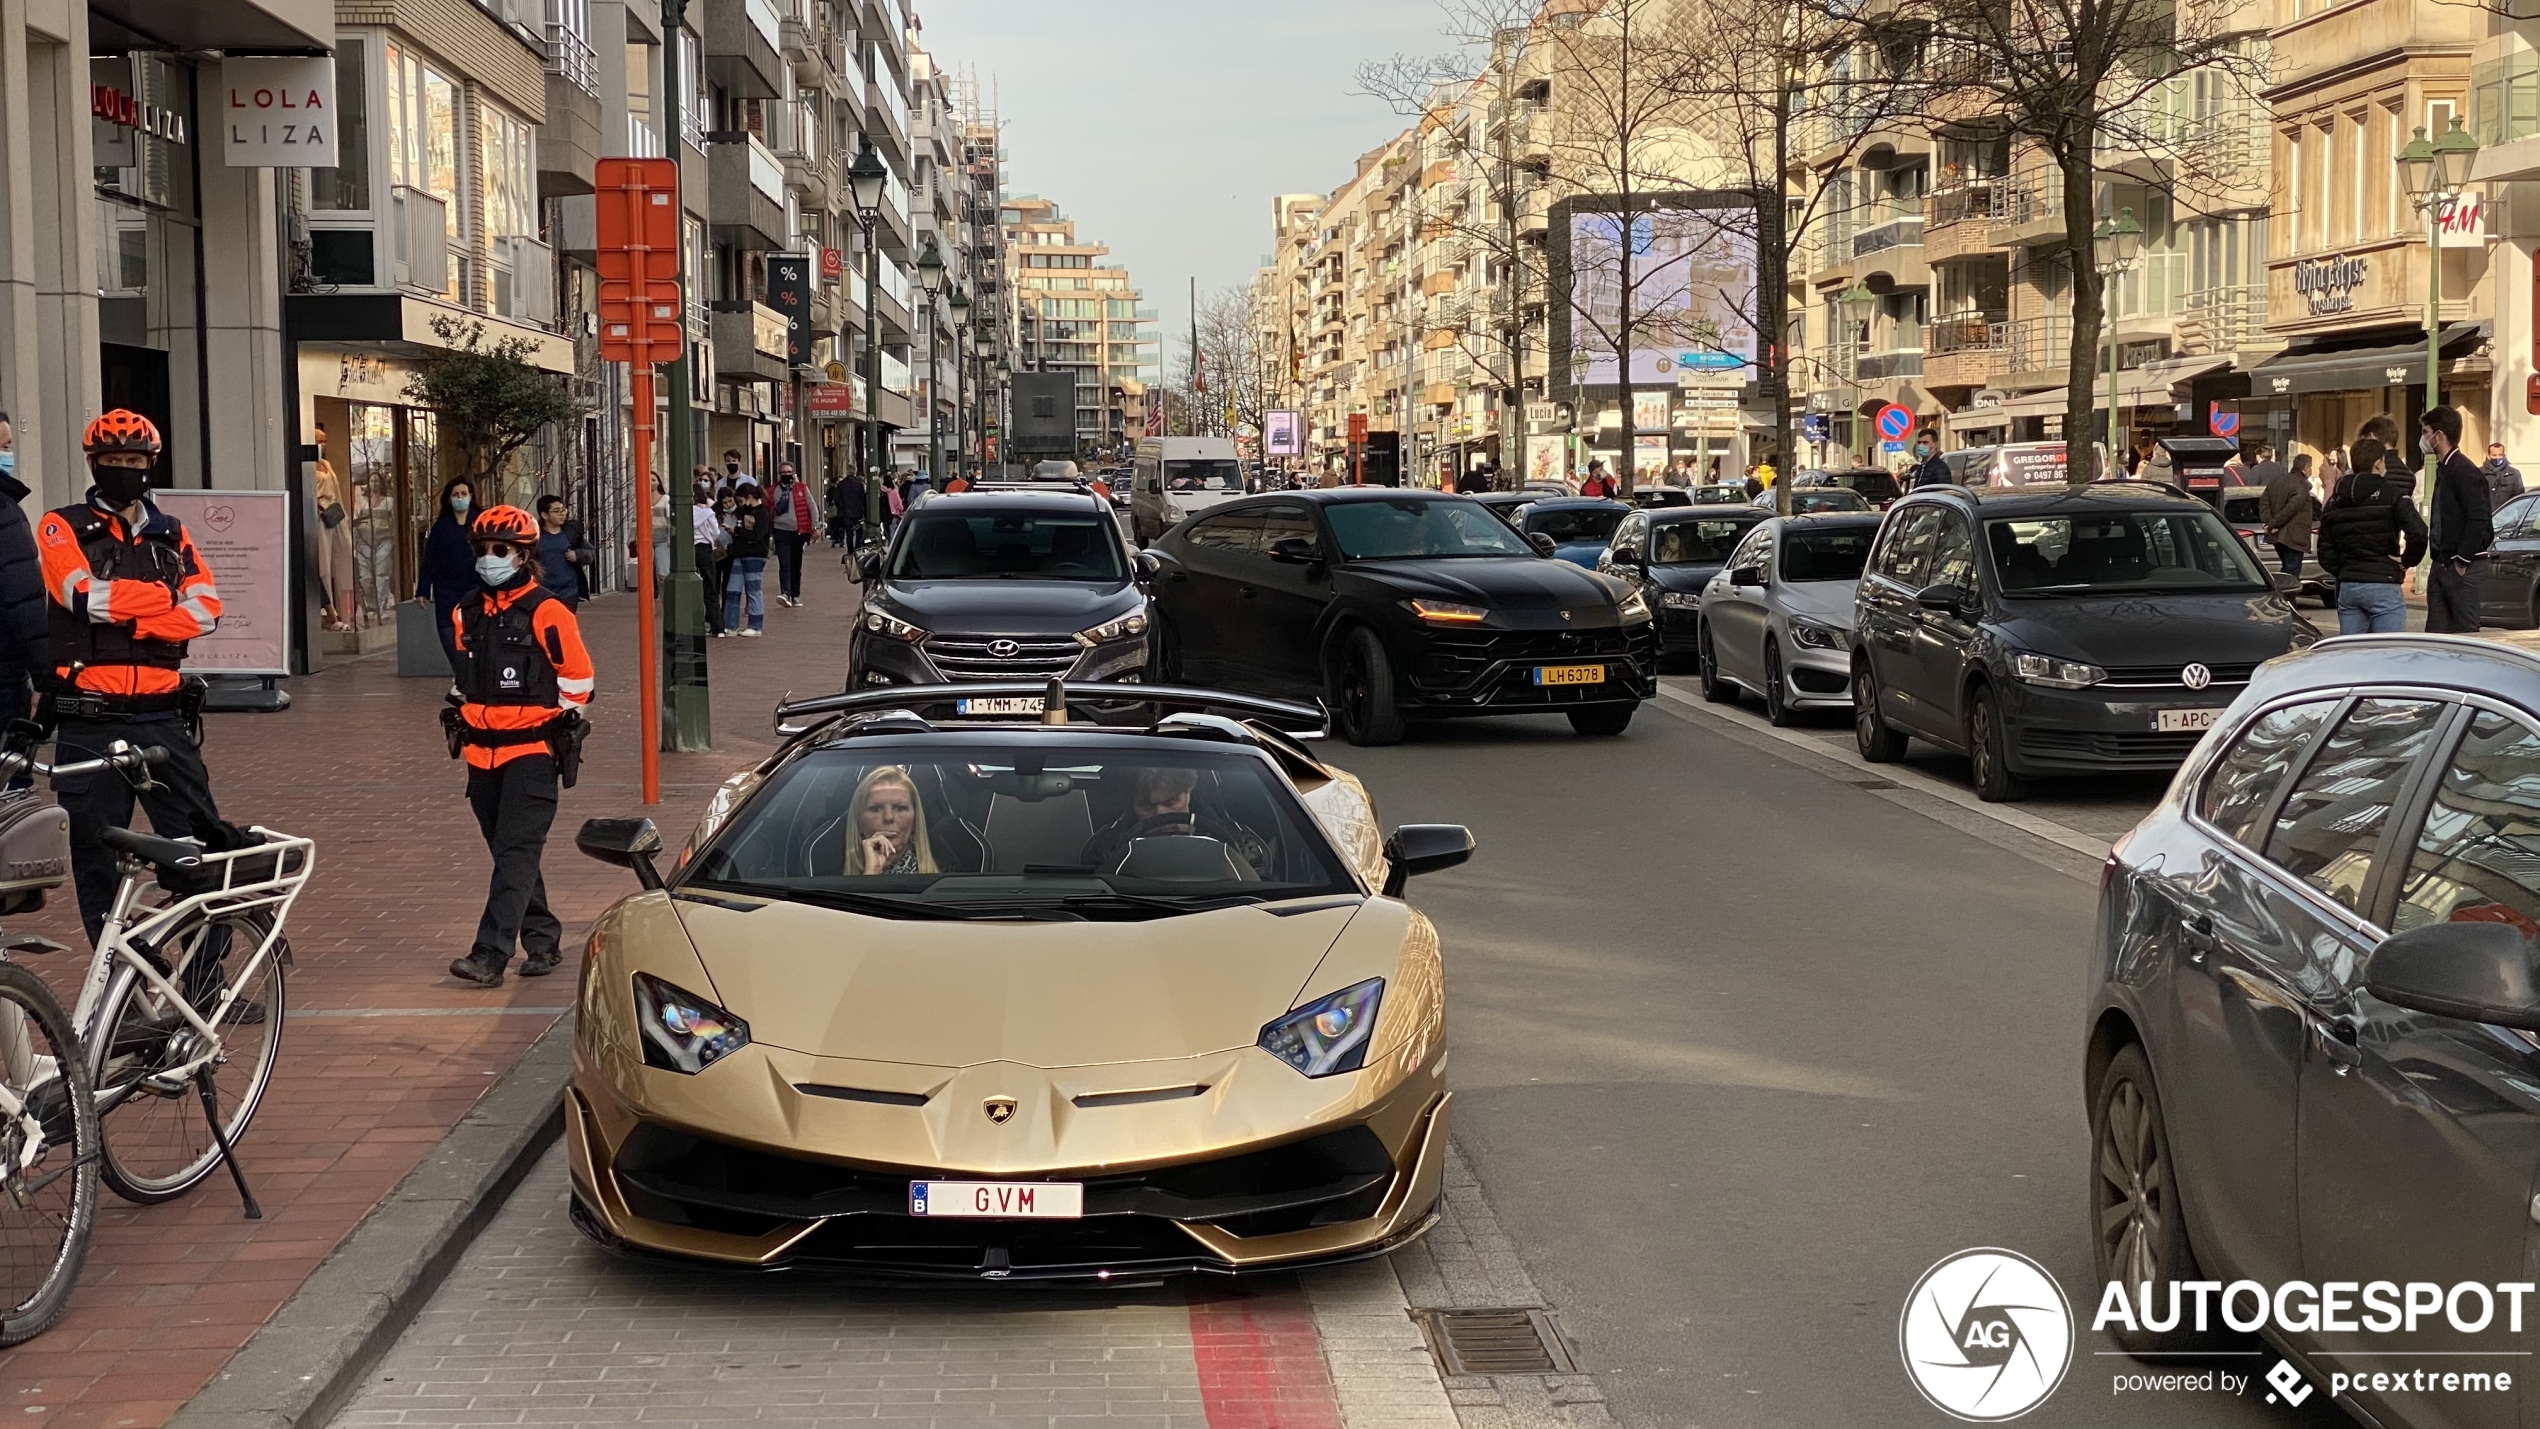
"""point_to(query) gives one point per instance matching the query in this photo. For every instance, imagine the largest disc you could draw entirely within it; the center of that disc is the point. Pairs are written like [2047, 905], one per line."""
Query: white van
[1177, 477]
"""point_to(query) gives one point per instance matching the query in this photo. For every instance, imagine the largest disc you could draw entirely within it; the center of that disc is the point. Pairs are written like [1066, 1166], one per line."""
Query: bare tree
[2083, 85]
[1229, 332]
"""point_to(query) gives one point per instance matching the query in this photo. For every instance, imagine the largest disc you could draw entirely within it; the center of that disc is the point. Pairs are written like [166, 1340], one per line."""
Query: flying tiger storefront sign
[278, 112]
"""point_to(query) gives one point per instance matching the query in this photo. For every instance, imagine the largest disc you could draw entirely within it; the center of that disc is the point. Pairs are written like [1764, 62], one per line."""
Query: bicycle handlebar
[118, 756]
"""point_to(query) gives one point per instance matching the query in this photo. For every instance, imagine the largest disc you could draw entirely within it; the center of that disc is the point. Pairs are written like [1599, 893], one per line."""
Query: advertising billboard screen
[1692, 292]
[1283, 433]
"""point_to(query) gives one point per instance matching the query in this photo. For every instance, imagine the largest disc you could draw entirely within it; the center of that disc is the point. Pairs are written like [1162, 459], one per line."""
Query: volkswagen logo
[1000, 1110]
[1005, 649]
[2195, 677]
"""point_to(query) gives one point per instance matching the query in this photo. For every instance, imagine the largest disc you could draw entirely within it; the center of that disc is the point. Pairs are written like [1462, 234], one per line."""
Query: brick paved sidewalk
[384, 1051]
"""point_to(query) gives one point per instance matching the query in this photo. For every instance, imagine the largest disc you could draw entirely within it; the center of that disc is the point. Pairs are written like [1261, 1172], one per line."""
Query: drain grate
[1495, 1342]
[1873, 783]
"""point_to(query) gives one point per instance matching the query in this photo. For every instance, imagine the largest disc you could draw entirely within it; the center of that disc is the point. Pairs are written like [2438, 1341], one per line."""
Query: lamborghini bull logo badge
[999, 1109]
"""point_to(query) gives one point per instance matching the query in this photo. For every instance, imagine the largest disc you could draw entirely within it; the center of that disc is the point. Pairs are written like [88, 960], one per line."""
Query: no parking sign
[2221, 423]
[1894, 422]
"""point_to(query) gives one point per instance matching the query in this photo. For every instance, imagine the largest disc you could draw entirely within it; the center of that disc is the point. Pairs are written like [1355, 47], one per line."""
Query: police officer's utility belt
[89, 706]
[562, 735]
[505, 738]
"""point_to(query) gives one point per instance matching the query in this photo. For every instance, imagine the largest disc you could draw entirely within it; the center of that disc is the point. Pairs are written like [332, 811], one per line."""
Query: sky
[1165, 127]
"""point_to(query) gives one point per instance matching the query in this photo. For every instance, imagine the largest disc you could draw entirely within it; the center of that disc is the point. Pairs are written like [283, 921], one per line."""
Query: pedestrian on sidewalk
[748, 561]
[661, 533]
[2464, 530]
[790, 524]
[1929, 468]
[117, 642]
[523, 680]
[731, 472]
[706, 530]
[2286, 506]
[564, 553]
[447, 573]
[2369, 537]
[2504, 481]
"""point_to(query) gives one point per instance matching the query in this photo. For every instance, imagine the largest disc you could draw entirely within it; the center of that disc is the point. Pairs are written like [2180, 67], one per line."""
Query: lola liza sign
[278, 113]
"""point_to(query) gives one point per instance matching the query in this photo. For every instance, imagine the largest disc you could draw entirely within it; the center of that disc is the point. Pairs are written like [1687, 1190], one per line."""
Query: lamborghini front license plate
[998, 1200]
[1569, 674]
[1014, 705]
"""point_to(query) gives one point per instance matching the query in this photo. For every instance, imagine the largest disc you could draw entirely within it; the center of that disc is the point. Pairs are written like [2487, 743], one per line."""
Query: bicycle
[49, 1132]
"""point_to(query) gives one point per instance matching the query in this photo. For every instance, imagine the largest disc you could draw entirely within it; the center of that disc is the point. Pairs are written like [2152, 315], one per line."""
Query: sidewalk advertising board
[244, 538]
[1283, 433]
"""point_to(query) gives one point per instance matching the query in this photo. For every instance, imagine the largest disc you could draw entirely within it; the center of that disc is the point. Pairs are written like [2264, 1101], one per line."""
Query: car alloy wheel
[2138, 1235]
[1715, 687]
[1776, 693]
[1878, 743]
[1988, 748]
[1364, 691]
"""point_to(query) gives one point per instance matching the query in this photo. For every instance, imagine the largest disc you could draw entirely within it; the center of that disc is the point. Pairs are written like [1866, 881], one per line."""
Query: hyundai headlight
[1632, 609]
[1447, 612]
[1681, 600]
[1816, 635]
[1328, 1036]
[1121, 629]
[891, 626]
[683, 1032]
[2056, 674]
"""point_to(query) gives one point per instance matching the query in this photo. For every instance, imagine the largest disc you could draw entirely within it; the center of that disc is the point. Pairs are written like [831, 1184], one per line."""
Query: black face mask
[120, 485]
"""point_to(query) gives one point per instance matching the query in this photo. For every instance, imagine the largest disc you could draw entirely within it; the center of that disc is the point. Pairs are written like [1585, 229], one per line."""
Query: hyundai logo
[2195, 677]
[1005, 649]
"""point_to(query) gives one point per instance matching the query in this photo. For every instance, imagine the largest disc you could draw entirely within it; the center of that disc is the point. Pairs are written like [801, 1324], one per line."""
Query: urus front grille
[1000, 657]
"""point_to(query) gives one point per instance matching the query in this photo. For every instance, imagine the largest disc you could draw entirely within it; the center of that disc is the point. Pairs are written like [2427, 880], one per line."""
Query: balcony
[1957, 222]
[745, 192]
[418, 240]
[885, 124]
[2217, 321]
[749, 342]
[569, 141]
[2032, 211]
[805, 42]
[524, 273]
[1959, 351]
[2034, 352]
[1887, 366]
[741, 42]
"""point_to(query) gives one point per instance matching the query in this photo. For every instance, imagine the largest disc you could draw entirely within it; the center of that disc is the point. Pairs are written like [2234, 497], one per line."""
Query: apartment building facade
[1076, 311]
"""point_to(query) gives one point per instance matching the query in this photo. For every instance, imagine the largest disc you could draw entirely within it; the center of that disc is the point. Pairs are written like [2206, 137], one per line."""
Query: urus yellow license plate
[1569, 674]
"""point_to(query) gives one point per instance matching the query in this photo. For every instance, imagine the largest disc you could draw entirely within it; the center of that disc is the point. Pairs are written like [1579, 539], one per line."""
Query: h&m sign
[278, 112]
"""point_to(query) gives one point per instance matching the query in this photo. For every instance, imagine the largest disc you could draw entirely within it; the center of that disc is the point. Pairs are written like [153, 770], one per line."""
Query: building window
[511, 191]
[346, 187]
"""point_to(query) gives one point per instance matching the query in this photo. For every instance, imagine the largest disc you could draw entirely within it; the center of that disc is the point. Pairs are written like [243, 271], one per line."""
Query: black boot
[481, 967]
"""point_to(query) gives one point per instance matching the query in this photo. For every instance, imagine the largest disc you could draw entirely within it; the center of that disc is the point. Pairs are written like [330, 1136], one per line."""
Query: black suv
[2308, 1049]
[2084, 630]
[1001, 584]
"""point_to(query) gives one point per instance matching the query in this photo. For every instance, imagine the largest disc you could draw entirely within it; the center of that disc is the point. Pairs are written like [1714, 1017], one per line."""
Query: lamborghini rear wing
[1054, 696]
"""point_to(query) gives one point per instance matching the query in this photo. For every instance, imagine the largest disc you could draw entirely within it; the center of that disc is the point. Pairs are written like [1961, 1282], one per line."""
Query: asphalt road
[1741, 1049]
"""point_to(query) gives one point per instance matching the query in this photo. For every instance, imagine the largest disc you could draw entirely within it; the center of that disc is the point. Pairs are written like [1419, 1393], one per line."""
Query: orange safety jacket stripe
[154, 612]
[559, 635]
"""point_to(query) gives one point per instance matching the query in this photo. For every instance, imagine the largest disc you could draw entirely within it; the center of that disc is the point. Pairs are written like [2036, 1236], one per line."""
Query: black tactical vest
[158, 554]
[504, 664]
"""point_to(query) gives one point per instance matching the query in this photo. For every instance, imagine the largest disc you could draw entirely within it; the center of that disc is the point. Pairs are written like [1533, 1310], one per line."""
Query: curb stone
[306, 1361]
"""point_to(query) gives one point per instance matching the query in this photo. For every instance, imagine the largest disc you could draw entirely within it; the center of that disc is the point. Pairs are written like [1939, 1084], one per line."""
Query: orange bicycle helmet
[505, 523]
[121, 431]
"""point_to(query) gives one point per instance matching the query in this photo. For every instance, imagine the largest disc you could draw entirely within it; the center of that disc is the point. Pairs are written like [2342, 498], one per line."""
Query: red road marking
[1260, 1361]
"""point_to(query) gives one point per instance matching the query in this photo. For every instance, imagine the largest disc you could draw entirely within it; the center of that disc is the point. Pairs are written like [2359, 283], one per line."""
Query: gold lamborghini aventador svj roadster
[1018, 1000]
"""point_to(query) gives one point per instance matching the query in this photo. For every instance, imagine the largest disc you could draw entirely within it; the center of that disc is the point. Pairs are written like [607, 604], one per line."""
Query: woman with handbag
[334, 542]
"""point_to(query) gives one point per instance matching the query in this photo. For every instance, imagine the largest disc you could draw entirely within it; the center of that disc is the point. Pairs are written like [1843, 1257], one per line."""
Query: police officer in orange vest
[516, 717]
[127, 591]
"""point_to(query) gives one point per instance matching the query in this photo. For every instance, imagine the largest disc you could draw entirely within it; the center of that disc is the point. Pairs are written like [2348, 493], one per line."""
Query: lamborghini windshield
[1063, 828]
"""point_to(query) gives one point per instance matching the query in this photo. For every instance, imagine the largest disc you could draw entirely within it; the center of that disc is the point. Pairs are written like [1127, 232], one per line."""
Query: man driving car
[1160, 807]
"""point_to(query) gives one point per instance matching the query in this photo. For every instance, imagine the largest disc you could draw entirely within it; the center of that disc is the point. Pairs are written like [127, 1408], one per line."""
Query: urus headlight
[882, 623]
[1447, 612]
[1328, 1036]
[1120, 629]
[682, 1031]
[1632, 609]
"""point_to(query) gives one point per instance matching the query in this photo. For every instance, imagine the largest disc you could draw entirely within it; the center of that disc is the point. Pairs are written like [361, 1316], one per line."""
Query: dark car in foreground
[1669, 555]
[2309, 1053]
[2058, 631]
[1395, 604]
[1001, 584]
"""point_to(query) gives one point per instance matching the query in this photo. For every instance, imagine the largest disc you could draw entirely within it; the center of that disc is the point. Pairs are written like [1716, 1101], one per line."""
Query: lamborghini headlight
[1632, 609]
[1447, 612]
[881, 623]
[682, 1031]
[1121, 629]
[1329, 1036]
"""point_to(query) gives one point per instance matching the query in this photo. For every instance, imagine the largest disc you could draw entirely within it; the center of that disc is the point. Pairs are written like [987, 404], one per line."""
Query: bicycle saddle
[157, 852]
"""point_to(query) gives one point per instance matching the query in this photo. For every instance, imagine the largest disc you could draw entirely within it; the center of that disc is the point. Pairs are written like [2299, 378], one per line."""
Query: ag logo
[1986, 1335]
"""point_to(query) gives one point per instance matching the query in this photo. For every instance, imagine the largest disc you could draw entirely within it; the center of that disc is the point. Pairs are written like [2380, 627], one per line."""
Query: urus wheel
[1362, 687]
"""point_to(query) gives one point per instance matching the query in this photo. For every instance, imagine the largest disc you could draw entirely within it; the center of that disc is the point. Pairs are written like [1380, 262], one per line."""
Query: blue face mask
[8, 463]
[459, 506]
[496, 570]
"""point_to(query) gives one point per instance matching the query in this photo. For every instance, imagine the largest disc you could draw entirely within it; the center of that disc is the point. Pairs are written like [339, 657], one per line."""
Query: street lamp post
[689, 722]
[2116, 241]
[2435, 173]
[866, 179]
[959, 306]
[930, 280]
[1856, 304]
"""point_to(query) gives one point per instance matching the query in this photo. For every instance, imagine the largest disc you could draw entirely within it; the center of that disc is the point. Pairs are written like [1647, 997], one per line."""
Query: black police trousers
[515, 805]
[180, 807]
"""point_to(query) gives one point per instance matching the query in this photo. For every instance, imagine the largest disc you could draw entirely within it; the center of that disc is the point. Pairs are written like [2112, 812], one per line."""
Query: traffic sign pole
[640, 323]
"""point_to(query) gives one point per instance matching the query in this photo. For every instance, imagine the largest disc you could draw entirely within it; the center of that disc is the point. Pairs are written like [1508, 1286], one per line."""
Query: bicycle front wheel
[48, 1157]
[158, 1141]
